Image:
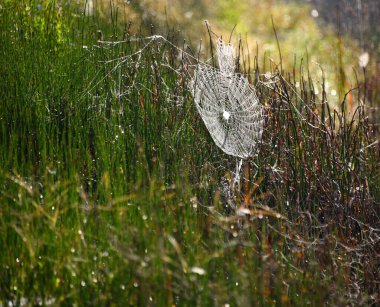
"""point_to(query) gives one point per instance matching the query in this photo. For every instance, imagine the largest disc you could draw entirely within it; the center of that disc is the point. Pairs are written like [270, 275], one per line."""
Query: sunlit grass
[111, 189]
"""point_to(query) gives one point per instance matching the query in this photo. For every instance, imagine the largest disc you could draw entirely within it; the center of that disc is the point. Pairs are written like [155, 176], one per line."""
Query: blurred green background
[328, 36]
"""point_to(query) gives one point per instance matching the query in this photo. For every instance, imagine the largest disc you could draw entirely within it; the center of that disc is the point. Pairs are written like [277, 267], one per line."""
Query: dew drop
[226, 115]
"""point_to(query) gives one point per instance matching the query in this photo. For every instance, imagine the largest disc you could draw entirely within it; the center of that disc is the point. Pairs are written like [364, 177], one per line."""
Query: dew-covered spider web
[225, 100]
[228, 105]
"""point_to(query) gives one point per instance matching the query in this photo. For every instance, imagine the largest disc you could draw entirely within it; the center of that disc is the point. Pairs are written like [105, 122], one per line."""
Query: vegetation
[113, 193]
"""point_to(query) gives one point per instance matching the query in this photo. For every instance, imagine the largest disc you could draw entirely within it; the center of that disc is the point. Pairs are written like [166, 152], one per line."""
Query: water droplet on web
[226, 115]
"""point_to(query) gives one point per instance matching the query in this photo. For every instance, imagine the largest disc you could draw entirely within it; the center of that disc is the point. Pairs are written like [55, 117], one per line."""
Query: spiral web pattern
[228, 105]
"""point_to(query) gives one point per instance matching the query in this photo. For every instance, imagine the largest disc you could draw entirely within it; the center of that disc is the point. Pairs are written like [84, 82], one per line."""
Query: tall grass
[112, 191]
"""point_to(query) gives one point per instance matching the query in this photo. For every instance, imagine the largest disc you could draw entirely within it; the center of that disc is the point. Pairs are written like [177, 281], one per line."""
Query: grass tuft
[113, 192]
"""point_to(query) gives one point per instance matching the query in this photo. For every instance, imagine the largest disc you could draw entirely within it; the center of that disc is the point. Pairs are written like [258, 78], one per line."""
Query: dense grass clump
[112, 191]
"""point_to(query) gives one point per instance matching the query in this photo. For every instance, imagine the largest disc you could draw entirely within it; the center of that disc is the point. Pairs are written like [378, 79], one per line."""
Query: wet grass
[112, 191]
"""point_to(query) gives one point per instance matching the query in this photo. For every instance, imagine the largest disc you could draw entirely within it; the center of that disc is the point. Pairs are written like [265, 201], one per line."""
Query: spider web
[226, 102]
[228, 105]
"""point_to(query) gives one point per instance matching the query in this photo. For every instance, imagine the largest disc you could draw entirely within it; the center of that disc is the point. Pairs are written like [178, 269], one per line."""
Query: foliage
[112, 191]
